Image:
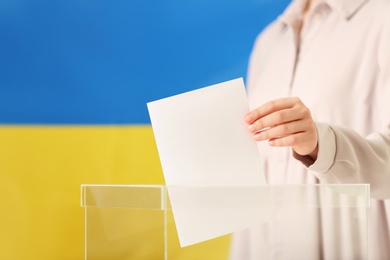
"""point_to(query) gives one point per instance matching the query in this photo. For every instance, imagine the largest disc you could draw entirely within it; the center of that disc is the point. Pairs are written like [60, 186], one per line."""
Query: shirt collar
[346, 8]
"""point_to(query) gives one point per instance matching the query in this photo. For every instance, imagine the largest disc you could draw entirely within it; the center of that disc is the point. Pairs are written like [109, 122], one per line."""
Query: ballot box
[297, 221]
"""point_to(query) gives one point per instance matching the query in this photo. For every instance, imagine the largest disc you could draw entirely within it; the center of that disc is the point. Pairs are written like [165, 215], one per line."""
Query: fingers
[275, 119]
[270, 107]
[280, 131]
[289, 140]
[303, 143]
[284, 122]
[292, 140]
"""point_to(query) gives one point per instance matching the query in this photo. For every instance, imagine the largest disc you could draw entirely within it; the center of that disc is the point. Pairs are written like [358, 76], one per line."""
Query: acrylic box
[136, 221]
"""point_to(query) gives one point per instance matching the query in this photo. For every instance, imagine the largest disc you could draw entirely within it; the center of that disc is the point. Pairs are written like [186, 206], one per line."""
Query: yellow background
[41, 170]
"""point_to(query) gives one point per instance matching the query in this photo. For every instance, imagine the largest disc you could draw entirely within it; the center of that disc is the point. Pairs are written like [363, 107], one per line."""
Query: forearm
[347, 157]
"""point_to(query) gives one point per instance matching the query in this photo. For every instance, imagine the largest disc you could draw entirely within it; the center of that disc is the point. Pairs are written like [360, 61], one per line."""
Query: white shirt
[339, 66]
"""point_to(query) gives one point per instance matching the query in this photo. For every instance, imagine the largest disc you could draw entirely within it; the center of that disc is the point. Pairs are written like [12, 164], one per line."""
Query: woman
[319, 86]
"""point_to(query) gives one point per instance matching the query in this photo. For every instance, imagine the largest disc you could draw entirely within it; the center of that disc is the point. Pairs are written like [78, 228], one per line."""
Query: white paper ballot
[202, 140]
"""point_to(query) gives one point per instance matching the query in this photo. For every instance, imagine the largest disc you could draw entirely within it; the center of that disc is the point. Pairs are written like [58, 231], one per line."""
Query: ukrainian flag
[75, 77]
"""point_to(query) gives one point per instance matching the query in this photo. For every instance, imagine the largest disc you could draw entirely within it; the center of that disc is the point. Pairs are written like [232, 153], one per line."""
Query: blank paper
[203, 141]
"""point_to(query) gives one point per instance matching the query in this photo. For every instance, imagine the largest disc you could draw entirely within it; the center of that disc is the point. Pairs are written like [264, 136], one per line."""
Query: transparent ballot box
[296, 221]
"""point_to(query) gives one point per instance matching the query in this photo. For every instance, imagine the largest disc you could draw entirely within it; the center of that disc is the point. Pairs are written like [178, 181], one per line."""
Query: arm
[335, 154]
[345, 156]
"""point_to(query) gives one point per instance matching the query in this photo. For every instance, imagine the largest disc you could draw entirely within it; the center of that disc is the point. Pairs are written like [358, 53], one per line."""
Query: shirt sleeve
[347, 157]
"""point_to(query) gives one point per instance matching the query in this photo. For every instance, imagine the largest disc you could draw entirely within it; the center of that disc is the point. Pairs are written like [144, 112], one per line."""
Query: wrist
[307, 159]
[314, 154]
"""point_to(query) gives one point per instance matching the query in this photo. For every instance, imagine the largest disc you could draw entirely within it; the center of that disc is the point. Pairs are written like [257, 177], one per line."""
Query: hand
[285, 122]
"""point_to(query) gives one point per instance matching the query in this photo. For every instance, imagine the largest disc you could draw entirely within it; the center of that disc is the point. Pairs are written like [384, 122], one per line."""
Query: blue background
[100, 62]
